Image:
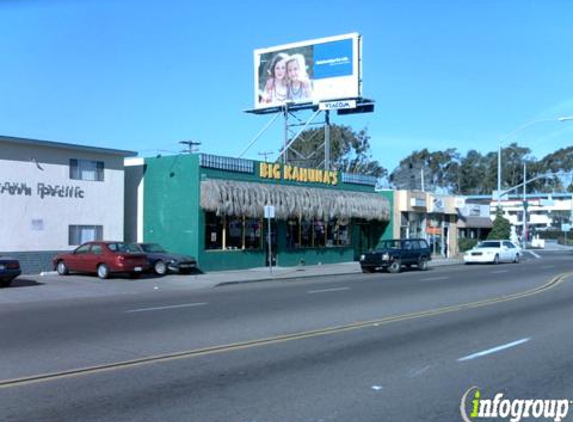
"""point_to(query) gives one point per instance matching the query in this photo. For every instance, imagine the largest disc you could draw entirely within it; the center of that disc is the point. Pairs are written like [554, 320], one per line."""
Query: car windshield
[390, 244]
[152, 248]
[122, 247]
[489, 245]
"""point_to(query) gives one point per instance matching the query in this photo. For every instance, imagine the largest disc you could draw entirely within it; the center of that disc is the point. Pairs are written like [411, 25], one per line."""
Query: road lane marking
[338, 289]
[534, 254]
[548, 266]
[226, 348]
[499, 272]
[160, 308]
[434, 278]
[494, 349]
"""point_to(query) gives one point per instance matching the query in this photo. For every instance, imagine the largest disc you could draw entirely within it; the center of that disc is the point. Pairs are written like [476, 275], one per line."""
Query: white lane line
[548, 266]
[494, 350]
[435, 278]
[534, 254]
[499, 272]
[339, 289]
[159, 308]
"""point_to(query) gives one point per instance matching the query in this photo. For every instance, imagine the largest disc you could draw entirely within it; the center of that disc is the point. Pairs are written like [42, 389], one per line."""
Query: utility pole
[265, 154]
[190, 146]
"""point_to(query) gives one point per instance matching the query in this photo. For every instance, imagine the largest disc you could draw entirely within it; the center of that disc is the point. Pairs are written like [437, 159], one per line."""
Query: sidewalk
[221, 278]
[51, 286]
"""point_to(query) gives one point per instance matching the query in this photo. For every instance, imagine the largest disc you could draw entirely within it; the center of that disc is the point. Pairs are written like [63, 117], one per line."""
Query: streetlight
[513, 133]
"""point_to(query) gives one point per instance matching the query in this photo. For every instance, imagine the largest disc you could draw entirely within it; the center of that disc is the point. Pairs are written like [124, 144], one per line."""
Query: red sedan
[102, 258]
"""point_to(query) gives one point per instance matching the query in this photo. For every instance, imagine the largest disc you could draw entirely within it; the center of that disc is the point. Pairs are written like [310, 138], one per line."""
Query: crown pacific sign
[297, 174]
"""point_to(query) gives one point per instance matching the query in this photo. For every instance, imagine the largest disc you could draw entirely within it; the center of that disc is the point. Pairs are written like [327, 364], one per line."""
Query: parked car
[162, 261]
[493, 252]
[103, 259]
[393, 254]
[9, 270]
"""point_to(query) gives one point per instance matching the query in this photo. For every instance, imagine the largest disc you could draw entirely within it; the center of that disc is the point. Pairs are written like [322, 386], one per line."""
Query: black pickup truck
[392, 254]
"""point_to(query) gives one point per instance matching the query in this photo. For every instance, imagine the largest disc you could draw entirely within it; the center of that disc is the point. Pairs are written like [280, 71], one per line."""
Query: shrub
[465, 243]
[501, 227]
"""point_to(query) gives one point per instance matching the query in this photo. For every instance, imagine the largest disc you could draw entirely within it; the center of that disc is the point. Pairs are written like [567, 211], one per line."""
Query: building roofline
[52, 144]
[514, 197]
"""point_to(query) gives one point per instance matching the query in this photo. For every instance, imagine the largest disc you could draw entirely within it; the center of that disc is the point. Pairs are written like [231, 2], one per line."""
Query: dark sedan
[163, 261]
[102, 258]
[9, 270]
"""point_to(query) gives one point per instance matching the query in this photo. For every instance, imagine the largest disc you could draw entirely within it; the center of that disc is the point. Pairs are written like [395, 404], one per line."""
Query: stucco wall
[38, 200]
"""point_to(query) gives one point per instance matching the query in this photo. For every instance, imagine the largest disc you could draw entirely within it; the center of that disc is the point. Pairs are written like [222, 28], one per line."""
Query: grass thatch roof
[226, 197]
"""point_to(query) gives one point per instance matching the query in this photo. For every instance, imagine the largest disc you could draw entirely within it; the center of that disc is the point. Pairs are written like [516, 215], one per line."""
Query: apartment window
[86, 170]
[80, 234]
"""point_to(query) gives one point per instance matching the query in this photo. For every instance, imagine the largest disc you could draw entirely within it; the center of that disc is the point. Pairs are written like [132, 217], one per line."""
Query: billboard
[308, 71]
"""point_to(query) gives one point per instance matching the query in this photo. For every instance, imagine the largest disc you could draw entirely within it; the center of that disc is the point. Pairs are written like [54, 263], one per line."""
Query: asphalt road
[377, 347]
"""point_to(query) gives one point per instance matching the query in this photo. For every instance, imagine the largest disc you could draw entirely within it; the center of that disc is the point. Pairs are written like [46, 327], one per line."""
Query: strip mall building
[212, 207]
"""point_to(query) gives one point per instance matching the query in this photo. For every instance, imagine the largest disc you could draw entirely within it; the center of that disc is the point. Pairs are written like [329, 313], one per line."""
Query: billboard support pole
[263, 130]
[288, 145]
[285, 140]
[327, 140]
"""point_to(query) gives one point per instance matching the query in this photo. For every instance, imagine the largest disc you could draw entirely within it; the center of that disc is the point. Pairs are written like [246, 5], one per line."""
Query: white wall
[29, 222]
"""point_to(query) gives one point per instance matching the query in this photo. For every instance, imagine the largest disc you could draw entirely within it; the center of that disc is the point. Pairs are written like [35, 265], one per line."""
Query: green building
[213, 208]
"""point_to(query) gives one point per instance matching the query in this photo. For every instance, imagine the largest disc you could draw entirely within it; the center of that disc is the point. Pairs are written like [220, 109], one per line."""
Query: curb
[235, 282]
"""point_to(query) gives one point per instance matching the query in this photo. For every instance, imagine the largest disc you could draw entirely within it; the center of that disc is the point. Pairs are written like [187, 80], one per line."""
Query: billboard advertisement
[308, 71]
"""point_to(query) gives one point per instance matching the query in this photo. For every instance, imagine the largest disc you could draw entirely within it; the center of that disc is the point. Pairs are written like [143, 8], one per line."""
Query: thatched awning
[226, 197]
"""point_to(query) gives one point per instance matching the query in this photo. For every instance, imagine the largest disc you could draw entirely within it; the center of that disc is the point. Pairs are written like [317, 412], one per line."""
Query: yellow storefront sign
[297, 174]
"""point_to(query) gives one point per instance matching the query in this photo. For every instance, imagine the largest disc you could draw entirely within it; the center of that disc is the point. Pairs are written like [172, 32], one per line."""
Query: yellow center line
[52, 376]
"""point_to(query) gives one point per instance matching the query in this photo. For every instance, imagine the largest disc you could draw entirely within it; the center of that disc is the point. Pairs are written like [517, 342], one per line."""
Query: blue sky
[143, 75]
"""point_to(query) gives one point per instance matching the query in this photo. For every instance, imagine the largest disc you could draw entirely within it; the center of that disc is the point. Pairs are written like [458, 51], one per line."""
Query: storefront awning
[227, 197]
[475, 223]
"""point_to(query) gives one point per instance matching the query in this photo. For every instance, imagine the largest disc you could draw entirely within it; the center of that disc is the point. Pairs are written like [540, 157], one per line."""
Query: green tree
[349, 151]
[501, 227]
[439, 168]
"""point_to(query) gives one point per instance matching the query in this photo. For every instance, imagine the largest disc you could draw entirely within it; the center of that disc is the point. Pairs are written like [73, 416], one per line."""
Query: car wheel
[423, 264]
[496, 260]
[516, 259]
[395, 266]
[62, 268]
[5, 283]
[160, 268]
[102, 271]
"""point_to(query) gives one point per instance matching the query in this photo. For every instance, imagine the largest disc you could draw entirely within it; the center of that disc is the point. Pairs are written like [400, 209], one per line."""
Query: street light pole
[513, 133]
[523, 235]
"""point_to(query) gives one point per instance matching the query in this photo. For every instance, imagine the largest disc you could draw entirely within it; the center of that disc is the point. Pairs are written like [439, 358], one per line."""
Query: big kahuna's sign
[297, 174]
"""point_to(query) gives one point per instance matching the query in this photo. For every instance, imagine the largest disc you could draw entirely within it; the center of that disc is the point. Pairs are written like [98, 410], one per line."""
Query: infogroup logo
[513, 409]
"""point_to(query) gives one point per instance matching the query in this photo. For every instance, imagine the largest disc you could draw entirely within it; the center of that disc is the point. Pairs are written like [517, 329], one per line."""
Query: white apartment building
[54, 196]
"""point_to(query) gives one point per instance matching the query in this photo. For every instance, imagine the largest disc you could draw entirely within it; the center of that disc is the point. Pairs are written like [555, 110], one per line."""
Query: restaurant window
[293, 233]
[86, 170]
[319, 233]
[252, 233]
[231, 232]
[234, 233]
[305, 234]
[213, 231]
[337, 234]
